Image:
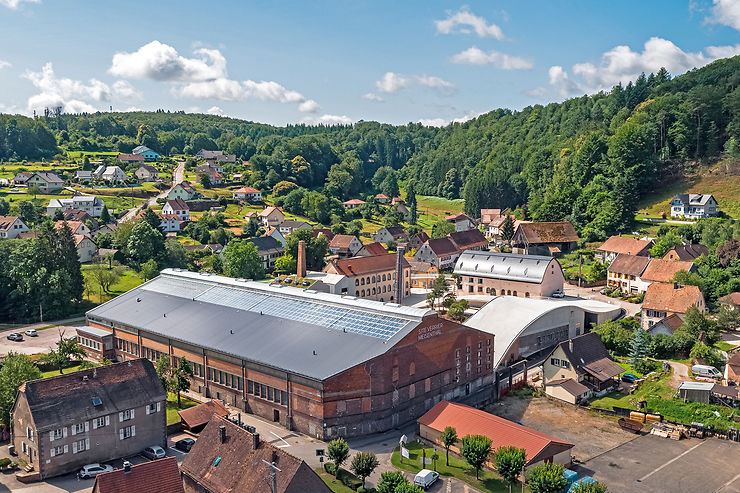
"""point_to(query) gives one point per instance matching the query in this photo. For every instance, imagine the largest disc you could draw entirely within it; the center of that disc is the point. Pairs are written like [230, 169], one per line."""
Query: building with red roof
[157, 476]
[247, 194]
[503, 433]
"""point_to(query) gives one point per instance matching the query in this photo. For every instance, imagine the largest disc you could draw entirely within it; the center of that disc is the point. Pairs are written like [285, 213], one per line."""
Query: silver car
[153, 452]
[92, 470]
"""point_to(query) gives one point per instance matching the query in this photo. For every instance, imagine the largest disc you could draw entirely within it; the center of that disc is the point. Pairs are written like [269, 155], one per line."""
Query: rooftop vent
[126, 466]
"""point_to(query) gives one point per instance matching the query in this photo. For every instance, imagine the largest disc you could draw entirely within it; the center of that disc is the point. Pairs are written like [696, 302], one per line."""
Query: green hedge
[345, 477]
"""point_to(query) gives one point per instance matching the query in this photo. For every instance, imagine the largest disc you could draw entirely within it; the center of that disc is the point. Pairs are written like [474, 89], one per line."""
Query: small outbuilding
[195, 418]
[695, 391]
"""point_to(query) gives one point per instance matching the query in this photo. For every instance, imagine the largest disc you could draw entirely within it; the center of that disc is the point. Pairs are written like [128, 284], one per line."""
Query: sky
[340, 62]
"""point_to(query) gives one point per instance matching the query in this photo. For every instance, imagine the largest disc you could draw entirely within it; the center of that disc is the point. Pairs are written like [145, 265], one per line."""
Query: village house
[325, 232]
[444, 252]
[270, 217]
[275, 233]
[391, 233]
[169, 223]
[82, 175]
[488, 215]
[287, 227]
[580, 368]
[177, 207]
[416, 241]
[352, 203]
[86, 248]
[382, 198]
[81, 216]
[157, 476]
[494, 273]
[371, 249]
[46, 181]
[229, 458]
[210, 166]
[732, 368]
[546, 238]
[659, 270]
[77, 227]
[63, 422]
[344, 245]
[182, 191]
[667, 326]
[149, 155]
[462, 221]
[217, 156]
[423, 274]
[194, 419]
[130, 158]
[694, 206]
[11, 227]
[247, 194]
[731, 301]
[269, 250]
[113, 174]
[539, 448]
[87, 203]
[146, 172]
[687, 253]
[21, 179]
[397, 200]
[662, 300]
[214, 177]
[494, 229]
[625, 273]
[374, 277]
[615, 245]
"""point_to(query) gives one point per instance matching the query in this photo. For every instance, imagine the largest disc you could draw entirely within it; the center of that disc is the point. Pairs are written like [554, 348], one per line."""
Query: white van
[705, 371]
[426, 478]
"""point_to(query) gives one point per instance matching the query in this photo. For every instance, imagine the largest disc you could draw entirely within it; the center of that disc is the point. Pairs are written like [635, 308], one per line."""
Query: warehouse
[323, 364]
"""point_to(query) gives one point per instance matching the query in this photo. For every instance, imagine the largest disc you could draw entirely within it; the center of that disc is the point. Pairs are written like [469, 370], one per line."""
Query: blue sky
[323, 61]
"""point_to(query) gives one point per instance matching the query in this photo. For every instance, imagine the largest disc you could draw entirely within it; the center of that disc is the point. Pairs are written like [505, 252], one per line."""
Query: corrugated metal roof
[508, 266]
[708, 386]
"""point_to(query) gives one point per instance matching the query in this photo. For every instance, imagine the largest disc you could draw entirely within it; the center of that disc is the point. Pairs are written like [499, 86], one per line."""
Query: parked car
[629, 378]
[92, 470]
[185, 444]
[153, 452]
[15, 336]
[705, 371]
[425, 478]
[558, 294]
[31, 333]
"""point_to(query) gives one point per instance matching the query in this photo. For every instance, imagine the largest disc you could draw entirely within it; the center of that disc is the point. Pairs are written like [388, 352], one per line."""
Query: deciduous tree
[475, 450]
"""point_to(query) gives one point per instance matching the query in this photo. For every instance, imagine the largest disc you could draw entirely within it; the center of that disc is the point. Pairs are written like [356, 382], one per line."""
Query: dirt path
[592, 434]
[679, 374]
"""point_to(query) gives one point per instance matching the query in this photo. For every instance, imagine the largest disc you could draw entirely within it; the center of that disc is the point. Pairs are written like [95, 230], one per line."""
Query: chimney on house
[255, 440]
[301, 260]
[222, 433]
[675, 285]
[399, 274]
[126, 466]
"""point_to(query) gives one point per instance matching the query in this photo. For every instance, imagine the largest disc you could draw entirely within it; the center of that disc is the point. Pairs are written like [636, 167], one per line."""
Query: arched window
[412, 369]
[384, 288]
[526, 295]
[357, 282]
[493, 291]
[362, 293]
[508, 293]
[384, 277]
[514, 294]
[373, 279]
[362, 281]
[373, 290]
[368, 279]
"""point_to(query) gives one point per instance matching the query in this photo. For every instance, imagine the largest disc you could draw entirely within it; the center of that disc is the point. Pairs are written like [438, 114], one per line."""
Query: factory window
[412, 369]
[508, 293]
[368, 279]
[362, 281]
[488, 342]
[493, 291]
[384, 277]
[480, 280]
[514, 294]
[373, 279]
[357, 282]
[471, 280]
[373, 290]
[526, 295]
[470, 288]
[480, 289]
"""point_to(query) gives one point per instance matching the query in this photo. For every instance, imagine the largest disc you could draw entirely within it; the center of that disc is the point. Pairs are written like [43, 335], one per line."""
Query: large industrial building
[323, 364]
[523, 327]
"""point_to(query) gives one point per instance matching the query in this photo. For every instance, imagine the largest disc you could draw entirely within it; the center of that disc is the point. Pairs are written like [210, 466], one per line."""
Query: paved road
[177, 177]
[680, 373]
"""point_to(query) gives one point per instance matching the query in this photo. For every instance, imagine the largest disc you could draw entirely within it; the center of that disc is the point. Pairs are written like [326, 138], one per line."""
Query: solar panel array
[343, 318]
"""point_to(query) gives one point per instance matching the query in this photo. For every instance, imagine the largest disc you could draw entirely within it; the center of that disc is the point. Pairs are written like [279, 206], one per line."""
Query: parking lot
[45, 340]
[655, 464]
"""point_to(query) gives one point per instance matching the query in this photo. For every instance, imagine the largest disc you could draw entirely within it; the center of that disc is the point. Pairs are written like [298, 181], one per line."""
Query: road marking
[449, 486]
[281, 439]
[728, 483]
[669, 462]
[176, 450]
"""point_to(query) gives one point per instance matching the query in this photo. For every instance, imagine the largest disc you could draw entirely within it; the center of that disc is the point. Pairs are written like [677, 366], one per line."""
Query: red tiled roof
[460, 216]
[628, 246]
[73, 225]
[178, 205]
[6, 222]
[664, 270]
[629, 264]
[732, 299]
[269, 210]
[442, 246]
[375, 248]
[170, 217]
[341, 241]
[354, 202]
[381, 196]
[246, 190]
[665, 297]
[202, 413]
[157, 476]
[323, 231]
[130, 157]
[470, 421]
[573, 387]
[358, 266]
[79, 239]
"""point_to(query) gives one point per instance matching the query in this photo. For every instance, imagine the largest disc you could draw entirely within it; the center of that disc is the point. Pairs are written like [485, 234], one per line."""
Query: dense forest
[587, 159]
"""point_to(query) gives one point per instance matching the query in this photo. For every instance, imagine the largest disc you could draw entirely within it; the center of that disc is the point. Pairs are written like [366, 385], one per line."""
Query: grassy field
[489, 481]
[129, 280]
[333, 483]
[432, 209]
[172, 416]
[724, 187]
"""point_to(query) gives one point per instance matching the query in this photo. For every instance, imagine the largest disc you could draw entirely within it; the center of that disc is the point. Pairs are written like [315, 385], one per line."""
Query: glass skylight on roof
[177, 287]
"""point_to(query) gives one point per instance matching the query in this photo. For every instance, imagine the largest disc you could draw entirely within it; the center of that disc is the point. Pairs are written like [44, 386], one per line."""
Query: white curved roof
[508, 266]
[508, 317]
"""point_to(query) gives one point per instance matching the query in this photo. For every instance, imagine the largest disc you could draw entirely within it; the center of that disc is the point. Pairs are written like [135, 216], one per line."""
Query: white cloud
[215, 110]
[441, 122]
[221, 89]
[536, 92]
[726, 12]
[4, 64]
[309, 106]
[14, 4]
[72, 95]
[476, 56]
[621, 64]
[162, 62]
[132, 109]
[272, 91]
[464, 21]
[327, 120]
[392, 82]
[371, 96]
[442, 86]
[124, 89]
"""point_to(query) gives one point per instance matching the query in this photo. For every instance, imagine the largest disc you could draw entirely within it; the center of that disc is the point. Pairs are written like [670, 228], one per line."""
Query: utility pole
[273, 474]
[579, 269]
[41, 312]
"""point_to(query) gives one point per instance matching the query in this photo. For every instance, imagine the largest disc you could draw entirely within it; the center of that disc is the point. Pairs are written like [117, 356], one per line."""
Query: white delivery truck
[705, 371]
[426, 478]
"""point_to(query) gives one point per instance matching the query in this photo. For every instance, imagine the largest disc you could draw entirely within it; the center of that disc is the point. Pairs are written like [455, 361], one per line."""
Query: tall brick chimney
[301, 260]
[399, 275]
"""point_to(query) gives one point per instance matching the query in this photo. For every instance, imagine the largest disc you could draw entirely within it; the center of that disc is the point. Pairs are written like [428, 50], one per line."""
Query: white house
[694, 206]
[287, 227]
[86, 248]
[86, 203]
[113, 174]
[247, 194]
[11, 227]
[177, 207]
[462, 222]
[77, 227]
[182, 191]
[146, 172]
[46, 181]
[169, 223]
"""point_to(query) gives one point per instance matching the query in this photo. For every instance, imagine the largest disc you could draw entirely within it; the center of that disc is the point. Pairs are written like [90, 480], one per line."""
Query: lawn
[129, 280]
[624, 363]
[458, 468]
[723, 346]
[54, 373]
[172, 416]
[333, 483]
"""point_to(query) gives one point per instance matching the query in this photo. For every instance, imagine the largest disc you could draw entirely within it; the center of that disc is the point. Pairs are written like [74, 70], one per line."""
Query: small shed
[695, 391]
[197, 417]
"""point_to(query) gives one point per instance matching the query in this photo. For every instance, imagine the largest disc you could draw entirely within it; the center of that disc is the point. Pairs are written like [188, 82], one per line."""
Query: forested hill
[588, 159]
